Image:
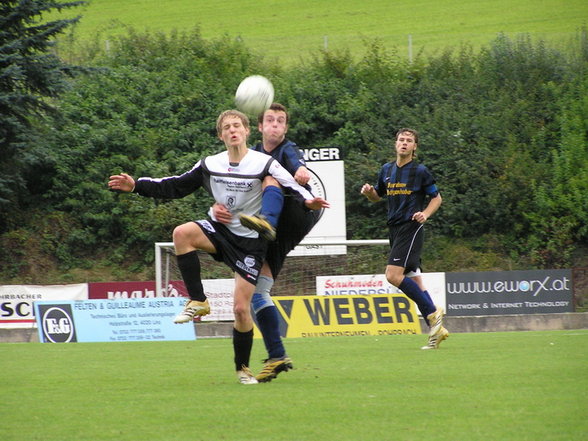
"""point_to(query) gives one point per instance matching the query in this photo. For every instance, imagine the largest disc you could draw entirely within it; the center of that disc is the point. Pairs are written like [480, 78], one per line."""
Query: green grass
[487, 386]
[292, 29]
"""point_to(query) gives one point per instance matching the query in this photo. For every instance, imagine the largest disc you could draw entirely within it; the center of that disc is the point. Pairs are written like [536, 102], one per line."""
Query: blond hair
[232, 112]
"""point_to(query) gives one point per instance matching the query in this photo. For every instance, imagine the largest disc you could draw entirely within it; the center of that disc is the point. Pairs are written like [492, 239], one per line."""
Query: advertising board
[111, 320]
[509, 292]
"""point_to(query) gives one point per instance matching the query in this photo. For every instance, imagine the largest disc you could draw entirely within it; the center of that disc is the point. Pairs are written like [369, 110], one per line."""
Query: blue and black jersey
[295, 220]
[405, 189]
[288, 154]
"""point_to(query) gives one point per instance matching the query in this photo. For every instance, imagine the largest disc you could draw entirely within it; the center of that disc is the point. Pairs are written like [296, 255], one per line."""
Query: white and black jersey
[236, 186]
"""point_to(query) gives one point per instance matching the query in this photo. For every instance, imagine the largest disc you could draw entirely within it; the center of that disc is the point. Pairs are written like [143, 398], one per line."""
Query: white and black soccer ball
[254, 95]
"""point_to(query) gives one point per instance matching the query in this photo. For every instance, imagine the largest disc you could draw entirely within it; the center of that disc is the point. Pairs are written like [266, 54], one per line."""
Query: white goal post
[300, 269]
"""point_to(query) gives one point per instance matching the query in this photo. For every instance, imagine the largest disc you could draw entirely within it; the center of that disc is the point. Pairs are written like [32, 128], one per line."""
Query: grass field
[487, 386]
[291, 29]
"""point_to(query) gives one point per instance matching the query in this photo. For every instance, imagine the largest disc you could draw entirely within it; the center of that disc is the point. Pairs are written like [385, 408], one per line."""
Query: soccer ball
[254, 95]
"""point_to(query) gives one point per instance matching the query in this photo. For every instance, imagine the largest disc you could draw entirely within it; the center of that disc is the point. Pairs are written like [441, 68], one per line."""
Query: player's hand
[221, 213]
[369, 192]
[366, 189]
[316, 203]
[420, 217]
[122, 182]
[302, 175]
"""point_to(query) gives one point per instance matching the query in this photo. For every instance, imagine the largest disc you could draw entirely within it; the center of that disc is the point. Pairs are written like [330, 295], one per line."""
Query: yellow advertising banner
[339, 316]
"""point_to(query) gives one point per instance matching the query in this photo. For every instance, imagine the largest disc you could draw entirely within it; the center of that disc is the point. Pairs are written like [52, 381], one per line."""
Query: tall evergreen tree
[29, 74]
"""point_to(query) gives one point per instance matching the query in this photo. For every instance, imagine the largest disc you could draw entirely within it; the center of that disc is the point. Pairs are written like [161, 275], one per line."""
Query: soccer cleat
[272, 367]
[259, 223]
[192, 308]
[435, 321]
[245, 376]
[436, 339]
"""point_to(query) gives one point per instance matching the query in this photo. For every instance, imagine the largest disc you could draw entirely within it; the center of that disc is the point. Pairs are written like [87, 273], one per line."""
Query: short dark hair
[277, 107]
[413, 132]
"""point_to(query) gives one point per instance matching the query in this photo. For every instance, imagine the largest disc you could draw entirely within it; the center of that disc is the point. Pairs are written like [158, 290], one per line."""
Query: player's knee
[394, 278]
[261, 301]
[181, 235]
[242, 313]
[188, 237]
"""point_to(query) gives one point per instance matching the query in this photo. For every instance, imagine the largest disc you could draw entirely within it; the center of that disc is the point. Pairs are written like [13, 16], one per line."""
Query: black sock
[242, 344]
[189, 265]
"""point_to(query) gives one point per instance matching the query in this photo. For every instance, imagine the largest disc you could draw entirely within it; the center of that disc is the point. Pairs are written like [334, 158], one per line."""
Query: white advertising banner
[16, 301]
[327, 181]
[219, 293]
[371, 284]
[220, 297]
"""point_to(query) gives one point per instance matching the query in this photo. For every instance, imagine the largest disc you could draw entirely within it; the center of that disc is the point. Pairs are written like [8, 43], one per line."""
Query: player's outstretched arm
[122, 182]
[422, 216]
[316, 204]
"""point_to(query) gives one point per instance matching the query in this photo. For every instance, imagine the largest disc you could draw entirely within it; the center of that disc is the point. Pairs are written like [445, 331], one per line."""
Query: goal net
[307, 264]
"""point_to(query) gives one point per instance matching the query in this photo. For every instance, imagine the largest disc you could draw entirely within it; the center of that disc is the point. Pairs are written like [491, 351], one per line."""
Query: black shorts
[243, 255]
[294, 224]
[406, 244]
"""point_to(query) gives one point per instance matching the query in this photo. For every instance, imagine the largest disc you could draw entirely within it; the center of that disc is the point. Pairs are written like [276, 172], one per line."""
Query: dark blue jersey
[405, 189]
[288, 154]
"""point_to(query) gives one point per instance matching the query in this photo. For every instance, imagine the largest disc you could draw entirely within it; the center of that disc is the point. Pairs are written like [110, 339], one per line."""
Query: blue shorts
[406, 244]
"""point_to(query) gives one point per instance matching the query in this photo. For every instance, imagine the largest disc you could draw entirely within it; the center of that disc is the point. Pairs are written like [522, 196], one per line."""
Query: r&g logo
[58, 324]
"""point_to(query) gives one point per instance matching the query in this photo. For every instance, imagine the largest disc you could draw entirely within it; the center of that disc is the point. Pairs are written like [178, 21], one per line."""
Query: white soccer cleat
[192, 308]
[436, 339]
[435, 321]
[245, 376]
